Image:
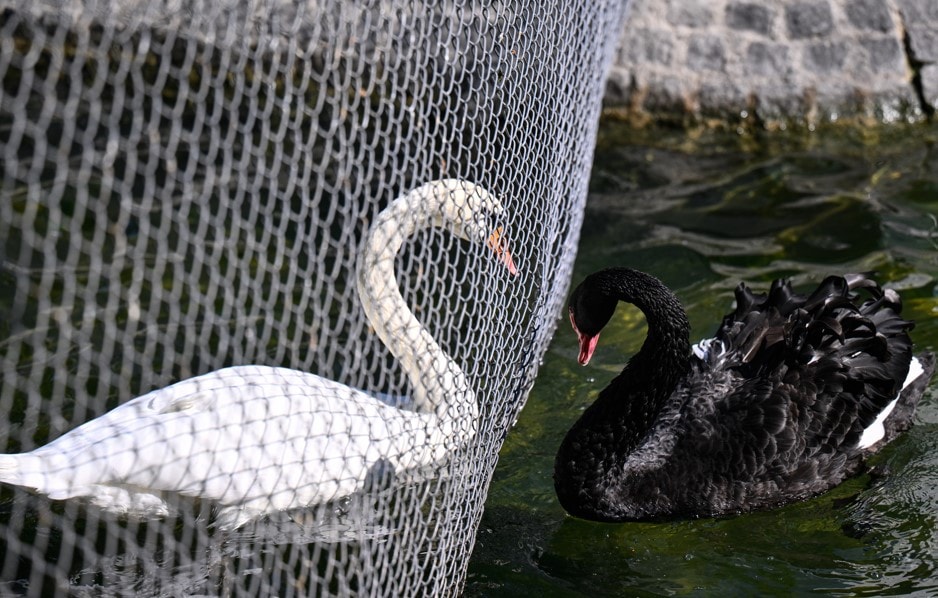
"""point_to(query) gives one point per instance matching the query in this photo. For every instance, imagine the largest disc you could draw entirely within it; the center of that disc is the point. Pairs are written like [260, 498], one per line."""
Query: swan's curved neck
[667, 343]
[633, 400]
[439, 384]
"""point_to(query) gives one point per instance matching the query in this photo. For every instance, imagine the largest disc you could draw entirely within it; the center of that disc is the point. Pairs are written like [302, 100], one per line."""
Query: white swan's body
[258, 439]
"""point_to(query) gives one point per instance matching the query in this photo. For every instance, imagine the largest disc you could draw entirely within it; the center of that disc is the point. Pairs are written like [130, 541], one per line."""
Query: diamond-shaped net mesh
[189, 186]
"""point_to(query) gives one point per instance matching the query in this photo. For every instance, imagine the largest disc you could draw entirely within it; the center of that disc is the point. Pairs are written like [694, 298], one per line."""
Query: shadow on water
[704, 215]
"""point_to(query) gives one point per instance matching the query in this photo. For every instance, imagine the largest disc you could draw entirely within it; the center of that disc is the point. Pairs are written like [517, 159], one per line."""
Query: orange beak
[499, 245]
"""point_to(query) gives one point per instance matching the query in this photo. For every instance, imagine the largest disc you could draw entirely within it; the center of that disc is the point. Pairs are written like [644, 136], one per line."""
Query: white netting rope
[188, 186]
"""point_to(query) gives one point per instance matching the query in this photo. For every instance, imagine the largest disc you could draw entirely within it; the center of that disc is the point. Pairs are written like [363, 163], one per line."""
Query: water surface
[704, 214]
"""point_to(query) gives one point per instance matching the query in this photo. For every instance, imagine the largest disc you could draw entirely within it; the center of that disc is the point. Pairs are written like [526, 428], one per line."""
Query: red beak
[587, 343]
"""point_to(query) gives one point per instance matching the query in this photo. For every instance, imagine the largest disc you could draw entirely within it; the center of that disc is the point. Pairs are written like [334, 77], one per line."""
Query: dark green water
[703, 215]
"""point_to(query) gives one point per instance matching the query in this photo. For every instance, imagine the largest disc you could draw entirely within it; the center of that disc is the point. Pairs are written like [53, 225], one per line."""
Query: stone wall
[779, 60]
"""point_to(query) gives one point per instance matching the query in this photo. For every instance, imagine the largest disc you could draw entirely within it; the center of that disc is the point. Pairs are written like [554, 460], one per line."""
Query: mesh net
[189, 186]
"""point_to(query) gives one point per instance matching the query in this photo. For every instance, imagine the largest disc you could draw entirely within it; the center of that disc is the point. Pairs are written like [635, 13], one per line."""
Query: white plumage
[258, 439]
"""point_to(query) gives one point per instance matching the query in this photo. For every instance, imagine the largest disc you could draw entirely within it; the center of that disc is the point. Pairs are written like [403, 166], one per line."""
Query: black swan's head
[594, 301]
[590, 310]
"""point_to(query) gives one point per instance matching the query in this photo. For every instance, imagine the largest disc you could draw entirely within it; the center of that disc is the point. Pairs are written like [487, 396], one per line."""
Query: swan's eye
[491, 222]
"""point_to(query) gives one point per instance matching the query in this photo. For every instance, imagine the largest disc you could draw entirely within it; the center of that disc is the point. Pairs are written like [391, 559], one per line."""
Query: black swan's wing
[760, 445]
[738, 449]
[779, 406]
[845, 357]
[741, 434]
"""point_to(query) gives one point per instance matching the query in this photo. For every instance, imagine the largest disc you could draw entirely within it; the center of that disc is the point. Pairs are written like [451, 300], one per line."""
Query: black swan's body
[783, 404]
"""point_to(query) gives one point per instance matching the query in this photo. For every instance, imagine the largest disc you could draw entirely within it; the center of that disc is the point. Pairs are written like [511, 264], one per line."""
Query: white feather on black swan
[783, 404]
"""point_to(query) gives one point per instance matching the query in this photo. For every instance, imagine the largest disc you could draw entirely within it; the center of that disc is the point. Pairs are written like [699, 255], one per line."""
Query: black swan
[257, 439]
[782, 404]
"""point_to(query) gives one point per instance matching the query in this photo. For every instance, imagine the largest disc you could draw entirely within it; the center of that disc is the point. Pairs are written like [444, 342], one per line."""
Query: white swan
[258, 439]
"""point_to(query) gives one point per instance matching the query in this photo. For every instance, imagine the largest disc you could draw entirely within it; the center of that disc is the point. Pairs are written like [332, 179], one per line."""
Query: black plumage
[779, 406]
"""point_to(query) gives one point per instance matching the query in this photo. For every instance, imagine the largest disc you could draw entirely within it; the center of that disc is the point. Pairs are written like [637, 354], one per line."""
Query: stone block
[918, 11]
[885, 55]
[897, 105]
[706, 52]
[618, 87]
[690, 13]
[749, 17]
[869, 14]
[664, 92]
[767, 60]
[641, 46]
[808, 19]
[825, 57]
[923, 41]
[777, 101]
[720, 95]
[929, 76]
[815, 59]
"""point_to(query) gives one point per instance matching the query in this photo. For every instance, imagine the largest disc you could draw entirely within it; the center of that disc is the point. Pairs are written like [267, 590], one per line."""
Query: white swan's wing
[251, 437]
[200, 394]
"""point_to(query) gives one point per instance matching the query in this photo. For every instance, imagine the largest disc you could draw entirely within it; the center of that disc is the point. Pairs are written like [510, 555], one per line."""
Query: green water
[704, 214]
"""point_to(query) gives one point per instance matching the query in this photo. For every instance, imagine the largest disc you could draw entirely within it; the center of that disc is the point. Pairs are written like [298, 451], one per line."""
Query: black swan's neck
[623, 414]
[665, 355]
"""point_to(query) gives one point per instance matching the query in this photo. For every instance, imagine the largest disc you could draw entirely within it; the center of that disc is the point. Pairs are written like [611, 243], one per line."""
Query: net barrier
[325, 243]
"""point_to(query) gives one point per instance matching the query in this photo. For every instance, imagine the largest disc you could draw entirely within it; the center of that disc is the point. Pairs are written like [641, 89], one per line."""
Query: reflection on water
[329, 545]
[704, 215]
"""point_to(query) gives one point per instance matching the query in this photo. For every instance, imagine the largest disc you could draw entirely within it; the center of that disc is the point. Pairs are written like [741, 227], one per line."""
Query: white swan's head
[469, 211]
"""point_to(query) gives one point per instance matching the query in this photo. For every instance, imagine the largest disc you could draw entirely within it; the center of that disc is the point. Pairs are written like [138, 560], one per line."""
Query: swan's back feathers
[848, 352]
